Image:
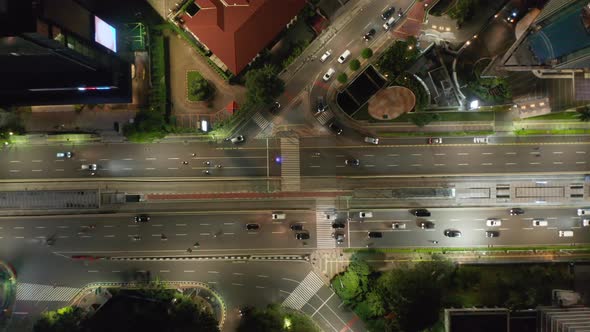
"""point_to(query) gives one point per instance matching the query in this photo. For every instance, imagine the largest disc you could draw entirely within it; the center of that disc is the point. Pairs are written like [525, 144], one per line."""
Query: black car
[452, 233]
[338, 225]
[252, 227]
[516, 211]
[421, 213]
[492, 233]
[387, 13]
[369, 35]
[276, 106]
[296, 227]
[321, 106]
[335, 128]
[142, 218]
[352, 162]
[302, 236]
[374, 235]
[426, 225]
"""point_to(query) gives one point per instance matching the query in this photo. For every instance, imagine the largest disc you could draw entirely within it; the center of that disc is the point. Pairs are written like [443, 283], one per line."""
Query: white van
[566, 233]
[326, 55]
[583, 212]
[278, 215]
[387, 25]
[539, 223]
[344, 56]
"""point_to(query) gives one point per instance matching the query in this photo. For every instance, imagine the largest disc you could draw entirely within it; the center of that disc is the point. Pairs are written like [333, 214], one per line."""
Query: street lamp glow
[204, 125]
[10, 133]
[474, 104]
[287, 323]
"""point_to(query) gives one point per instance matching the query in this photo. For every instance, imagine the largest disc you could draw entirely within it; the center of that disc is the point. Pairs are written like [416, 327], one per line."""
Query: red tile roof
[236, 30]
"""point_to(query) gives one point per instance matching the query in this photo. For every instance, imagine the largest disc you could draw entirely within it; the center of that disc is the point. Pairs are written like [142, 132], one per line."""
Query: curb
[290, 258]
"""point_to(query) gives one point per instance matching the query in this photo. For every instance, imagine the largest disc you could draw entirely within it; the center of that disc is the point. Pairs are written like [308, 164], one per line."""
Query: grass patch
[439, 134]
[198, 89]
[555, 116]
[527, 132]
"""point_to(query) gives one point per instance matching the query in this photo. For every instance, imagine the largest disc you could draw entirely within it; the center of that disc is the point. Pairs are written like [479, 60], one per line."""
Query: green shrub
[342, 78]
[354, 64]
[367, 53]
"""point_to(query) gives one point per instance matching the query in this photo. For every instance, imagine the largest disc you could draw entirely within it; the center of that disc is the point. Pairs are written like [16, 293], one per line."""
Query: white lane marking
[392, 165]
[93, 271]
[18, 227]
[463, 164]
[189, 271]
[205, 234]
[439, 164]
[463, 154]
[172, 168]
[368, 155]
[581, 152]
[110, 235]
[36, 170]
[108, 226]
[15, 161]
[133, 225]
[440, 154]
[262, 276]
[557, 152]
[212, 271]
[151, 158]
[104, 159]
[487, 164]
[527, 228]
[236, 284]
[228, 233]
[128, 159]
[238, 274]
[164, 271]
[510, 152]
[580, 162]
[157, 225]
[204, 224]
[557, 163]
[535, 152]
[59, 169]
[487, 153]
[535, 163]
[183, 234]
[416, 154]
[416, 165]
[259, 287]
[393, 155]
[14, 171]
[510, 164]
[173, 158]
[40, 227]
[228, 223]
[149, 168]
[369, 165]
[63, 226]
[180, 224]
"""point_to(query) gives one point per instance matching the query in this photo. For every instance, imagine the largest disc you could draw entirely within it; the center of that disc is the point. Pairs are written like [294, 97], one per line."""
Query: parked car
[141, 218]
[275, 107]
[252, 227]
[426, 225]
[335, 128]
[390, 22]
[344, 56]
[492, 233]
[278, 215]
[583, 212]
[339, 237]
[585, 222]
[565, 233]
[329, 74]
[398, 225]
[421, 213]
[67, 154]
[326, 55]
[371, 140]
[480, 140]
[435, 140]
[369, 35]
[237, 139]
[493, 222]
[539, 222]
[89, 167]
[321, 105]
[516, 211]
[374, 235]
[452, 233]
[387, 13]
[352, 162]
[302, 236]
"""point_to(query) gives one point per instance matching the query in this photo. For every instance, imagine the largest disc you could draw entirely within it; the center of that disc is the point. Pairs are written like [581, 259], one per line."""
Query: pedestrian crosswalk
[325, 116]
[304, 291]
[290, 168]
[38, 292]
[260, 120]
[325, 213]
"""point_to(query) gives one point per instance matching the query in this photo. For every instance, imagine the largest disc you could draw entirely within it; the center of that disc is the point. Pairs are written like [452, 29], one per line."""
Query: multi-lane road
[321, 156]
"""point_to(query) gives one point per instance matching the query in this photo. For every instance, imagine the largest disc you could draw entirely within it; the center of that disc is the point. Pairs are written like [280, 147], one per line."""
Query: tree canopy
[398, 57]
[263, 85]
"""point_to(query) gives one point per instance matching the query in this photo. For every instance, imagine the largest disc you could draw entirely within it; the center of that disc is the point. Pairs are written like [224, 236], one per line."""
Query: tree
[367, 53]
[398, 57]
[354, 64]
[342, 78]
[200, 89]
[421, 119]
[463, 10]
[353, 284]
[263, 85]
[66, 319]
[584, 114]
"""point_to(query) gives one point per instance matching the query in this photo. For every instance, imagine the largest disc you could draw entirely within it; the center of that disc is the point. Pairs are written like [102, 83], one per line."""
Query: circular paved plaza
[392, 102]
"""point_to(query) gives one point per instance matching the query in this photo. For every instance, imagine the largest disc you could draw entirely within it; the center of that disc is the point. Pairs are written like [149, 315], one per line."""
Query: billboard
[105, 34]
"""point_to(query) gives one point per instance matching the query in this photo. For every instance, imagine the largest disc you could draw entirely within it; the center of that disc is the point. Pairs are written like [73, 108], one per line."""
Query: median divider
[290, 258]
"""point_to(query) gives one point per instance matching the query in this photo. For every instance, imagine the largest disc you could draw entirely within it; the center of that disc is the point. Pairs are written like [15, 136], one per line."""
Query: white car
[67, 154]
[398, 225]
[329, 74]
[237, 139]
[372, 140]
[483, 140]
[539, 223]
[278, 215]
[366, 214]
[326, 55]
[583, 212]
[493, 222]
[585, 222]
[387, 25]
[344, 56]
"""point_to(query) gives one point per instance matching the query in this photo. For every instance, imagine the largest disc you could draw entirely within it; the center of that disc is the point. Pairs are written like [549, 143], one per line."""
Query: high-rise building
[57, 52]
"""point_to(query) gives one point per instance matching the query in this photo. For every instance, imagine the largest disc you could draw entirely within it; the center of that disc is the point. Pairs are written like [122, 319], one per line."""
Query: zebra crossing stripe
[325, 116]
[260, 120]
[324, 225]
[37, 292]
[290, 166]
[304, 291]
